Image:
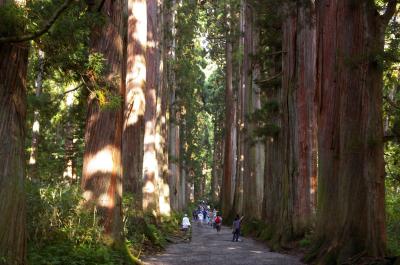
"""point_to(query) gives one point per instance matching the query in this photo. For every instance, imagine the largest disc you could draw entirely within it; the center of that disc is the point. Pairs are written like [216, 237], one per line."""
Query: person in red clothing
[218, 222]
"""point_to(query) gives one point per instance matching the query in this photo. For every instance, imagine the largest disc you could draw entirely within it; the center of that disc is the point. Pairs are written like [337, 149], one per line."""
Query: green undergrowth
[393, 223]
[257, 229]
[266, 233]
[61, 231]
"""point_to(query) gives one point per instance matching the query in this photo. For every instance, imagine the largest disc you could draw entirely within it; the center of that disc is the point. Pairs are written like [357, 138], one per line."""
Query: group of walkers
[203, 215]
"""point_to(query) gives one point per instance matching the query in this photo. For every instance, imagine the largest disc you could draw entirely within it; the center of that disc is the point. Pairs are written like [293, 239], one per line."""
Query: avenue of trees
[117, 115]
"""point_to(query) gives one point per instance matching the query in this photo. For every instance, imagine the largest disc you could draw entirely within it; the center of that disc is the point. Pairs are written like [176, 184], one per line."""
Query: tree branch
[391, 9]
[73, 89]
[46, 27]
[391, 103]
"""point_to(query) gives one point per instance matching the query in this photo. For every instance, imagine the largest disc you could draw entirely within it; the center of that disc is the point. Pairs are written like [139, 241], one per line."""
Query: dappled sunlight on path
[209, 248]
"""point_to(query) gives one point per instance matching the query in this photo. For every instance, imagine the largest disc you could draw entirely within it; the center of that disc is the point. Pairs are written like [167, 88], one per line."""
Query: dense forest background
[229, 111]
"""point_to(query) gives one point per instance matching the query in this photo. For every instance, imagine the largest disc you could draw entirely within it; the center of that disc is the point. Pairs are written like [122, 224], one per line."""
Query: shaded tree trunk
[241, 156]
[299, 79]
[350, 131]
[102, 168]
[217, 172]
[13, 72]
[254, 149]
[227, 182]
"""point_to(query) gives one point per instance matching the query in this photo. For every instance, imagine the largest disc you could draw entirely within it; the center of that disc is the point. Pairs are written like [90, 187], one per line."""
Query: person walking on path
[186, 226]
[218, 223]
[236, 228]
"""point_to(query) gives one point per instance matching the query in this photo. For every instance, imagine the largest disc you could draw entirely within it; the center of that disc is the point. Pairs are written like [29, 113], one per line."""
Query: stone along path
[211, 248]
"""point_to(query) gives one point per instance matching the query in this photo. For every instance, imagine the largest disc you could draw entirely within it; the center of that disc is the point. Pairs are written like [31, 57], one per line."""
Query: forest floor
[211, 248]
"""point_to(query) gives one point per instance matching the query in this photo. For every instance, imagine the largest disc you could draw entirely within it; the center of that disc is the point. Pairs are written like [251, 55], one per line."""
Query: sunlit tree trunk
[134, 107]
[161, 137]
[32, 173]
[151, 174]
[350, 131]
[173, 137]
[13, 72]
[102, 167]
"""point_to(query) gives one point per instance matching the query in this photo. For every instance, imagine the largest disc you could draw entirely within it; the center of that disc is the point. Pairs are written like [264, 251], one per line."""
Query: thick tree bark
[13, 72]
[227, 182]
[102, 168]
[161, 136]
[350, 133]
[134, 108]
[299, 79]
[254, 149]
[242, 71]
[177, 197]
[151, 174]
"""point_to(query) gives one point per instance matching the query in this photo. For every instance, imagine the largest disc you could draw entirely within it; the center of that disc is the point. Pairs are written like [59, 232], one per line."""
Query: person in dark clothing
[236, 228]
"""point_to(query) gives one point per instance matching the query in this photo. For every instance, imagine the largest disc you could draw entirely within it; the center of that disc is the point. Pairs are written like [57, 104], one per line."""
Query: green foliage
[12, 20]
[393, 221]
[61, 231]
[95, 65]
[257, 229]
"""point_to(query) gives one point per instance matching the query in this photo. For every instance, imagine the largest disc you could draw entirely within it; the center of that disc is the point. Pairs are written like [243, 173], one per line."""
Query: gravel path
[211, 248]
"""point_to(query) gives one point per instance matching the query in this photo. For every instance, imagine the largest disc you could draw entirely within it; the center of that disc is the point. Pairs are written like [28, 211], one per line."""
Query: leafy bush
[61, 232]
[393, 222]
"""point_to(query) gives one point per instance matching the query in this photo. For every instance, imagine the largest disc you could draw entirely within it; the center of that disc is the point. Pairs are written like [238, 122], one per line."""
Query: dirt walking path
[211, 248]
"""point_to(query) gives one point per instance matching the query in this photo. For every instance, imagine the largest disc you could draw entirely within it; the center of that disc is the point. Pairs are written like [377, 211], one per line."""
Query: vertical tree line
[309, 104]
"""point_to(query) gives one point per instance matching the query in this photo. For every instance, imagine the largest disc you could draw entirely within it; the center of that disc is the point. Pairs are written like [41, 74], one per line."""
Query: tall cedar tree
[134, 106]
[102, 167]
[351, 204]
[13, 73]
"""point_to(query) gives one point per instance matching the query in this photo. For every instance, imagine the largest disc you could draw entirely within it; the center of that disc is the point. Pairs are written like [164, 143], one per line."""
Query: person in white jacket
[185, 222]
[186, 227]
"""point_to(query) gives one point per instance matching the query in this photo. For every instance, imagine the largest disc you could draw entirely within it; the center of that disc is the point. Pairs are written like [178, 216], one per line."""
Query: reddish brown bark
[13, 71]
[176, 188]
[102, 167]
[253, 150]
[242, 86]
[133, 130]
[227, 182]
[151, 174]
[299, 80]
[350, 132]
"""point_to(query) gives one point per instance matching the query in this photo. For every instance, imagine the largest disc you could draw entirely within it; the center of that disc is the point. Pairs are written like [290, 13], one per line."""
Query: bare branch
[73, 89]
[46, 27]
[391, 9]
